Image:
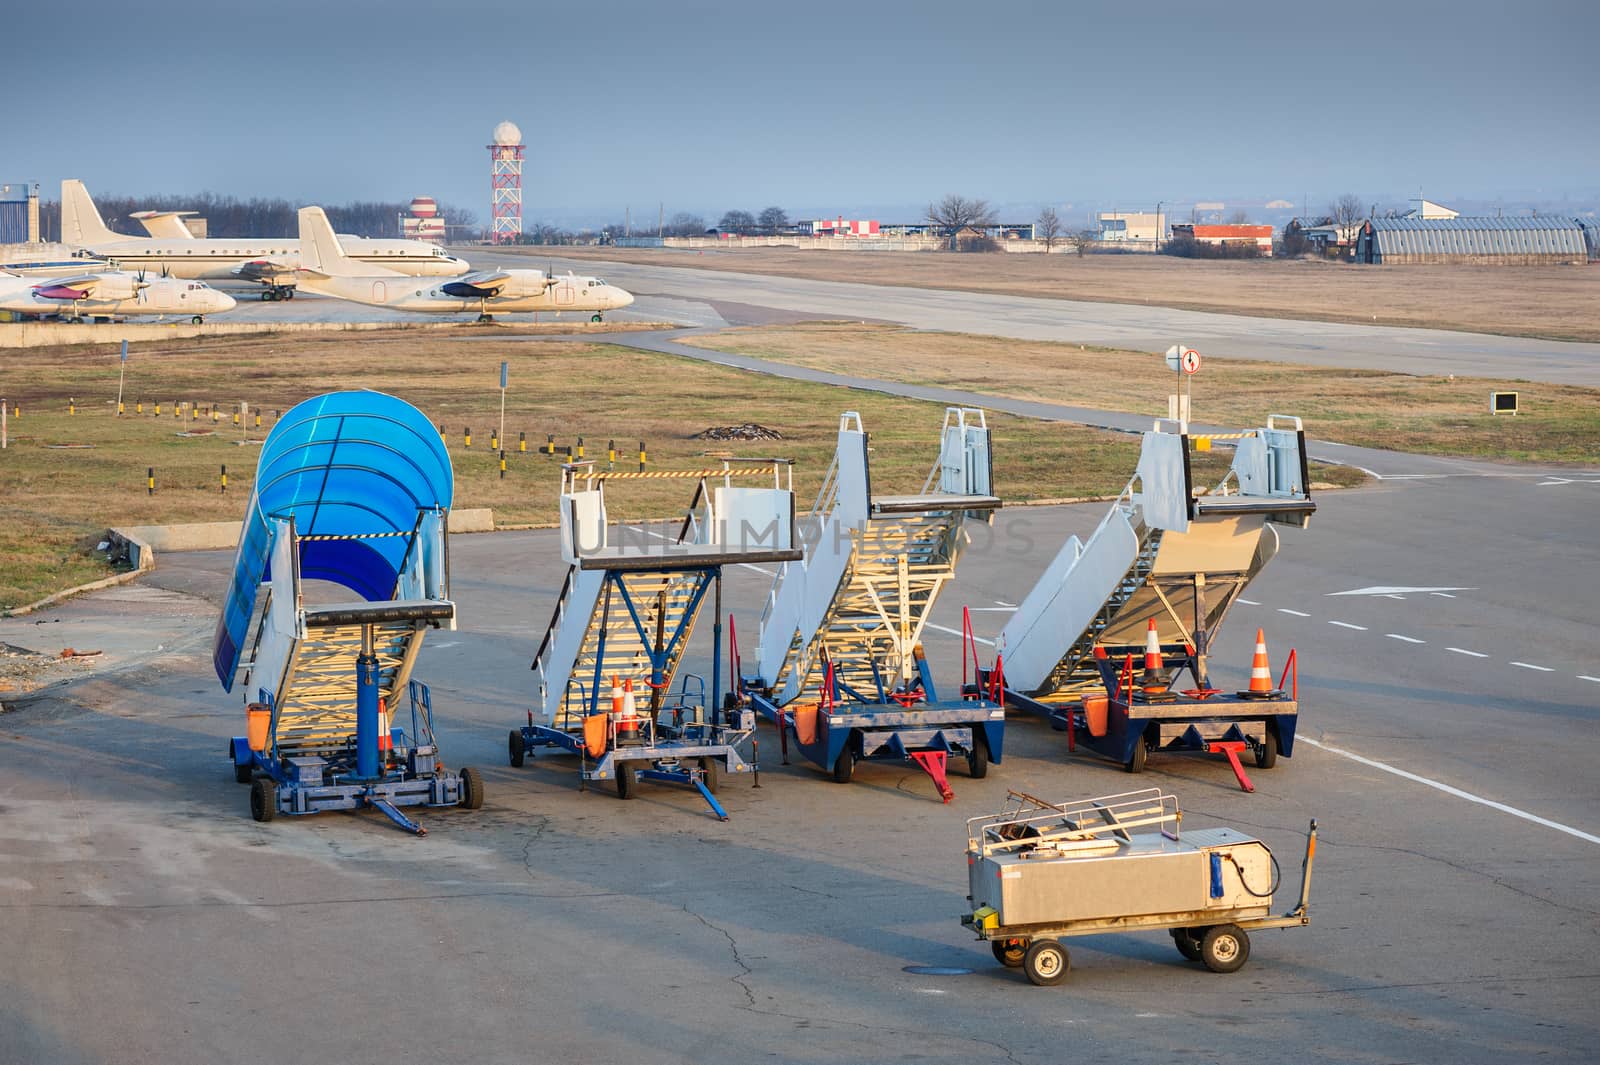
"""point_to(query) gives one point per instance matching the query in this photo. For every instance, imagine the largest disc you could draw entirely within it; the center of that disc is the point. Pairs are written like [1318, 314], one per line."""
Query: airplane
[269, 261]
[104, 293]
[326, 270]
[165, 225]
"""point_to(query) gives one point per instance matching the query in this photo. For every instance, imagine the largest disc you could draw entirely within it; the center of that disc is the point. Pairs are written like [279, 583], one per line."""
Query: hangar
[1522, 241]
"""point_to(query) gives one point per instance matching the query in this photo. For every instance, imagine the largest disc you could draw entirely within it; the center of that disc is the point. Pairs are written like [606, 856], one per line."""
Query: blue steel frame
[667, 749]
[310, 784]
[880, 729]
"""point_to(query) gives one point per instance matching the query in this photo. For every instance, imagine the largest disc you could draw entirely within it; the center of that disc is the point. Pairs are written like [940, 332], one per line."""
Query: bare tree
[737, 222]
[1346, 210]
[773, 219]
[684, 224]
[1086, 239]
[953, 214]
[1239, 218]
[1047, 227]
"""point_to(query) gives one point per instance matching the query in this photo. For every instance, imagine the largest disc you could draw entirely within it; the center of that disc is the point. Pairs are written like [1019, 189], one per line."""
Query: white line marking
[1296, 613]
[1248, 602]
[1464, 651]
[1347, 625]
[1530, 665]
[1448, 790]
[1393, 597]
[1585, 676]
[992, 609]
[1370, 473]
[1407, 639]
[1002, 602]
[1442, 595]
[957, 632]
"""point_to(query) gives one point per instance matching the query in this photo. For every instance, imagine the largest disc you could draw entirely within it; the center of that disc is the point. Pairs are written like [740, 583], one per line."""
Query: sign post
[122, 373]
[505, 376]
[1185, 362]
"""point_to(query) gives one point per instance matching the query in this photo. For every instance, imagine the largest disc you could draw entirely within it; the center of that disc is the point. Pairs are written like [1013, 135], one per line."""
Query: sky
[867, 109]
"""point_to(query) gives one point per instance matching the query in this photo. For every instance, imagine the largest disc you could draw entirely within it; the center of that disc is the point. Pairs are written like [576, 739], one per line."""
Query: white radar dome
[507, 133]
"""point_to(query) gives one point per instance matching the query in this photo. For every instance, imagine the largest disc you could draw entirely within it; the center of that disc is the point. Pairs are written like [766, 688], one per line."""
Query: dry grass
[1554, 302]
[55, 503]
[1370, 408]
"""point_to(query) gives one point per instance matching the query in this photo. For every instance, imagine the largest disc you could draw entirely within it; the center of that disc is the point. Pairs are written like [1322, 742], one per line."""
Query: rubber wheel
[1225, 948]
[517, 749]
[243, 774]
[1267, 752]
[1009, 952]
[1046, 962]
[844, 768]
[596, 318]
[1188, 942]
[197, 320]
[1135, 764]
[627, 780]
[708, 774]
[978, 756]
[263, 799]
[471, 789]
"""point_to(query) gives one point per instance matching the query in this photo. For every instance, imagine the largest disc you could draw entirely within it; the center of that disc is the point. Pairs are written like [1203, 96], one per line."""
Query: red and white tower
[505, 183]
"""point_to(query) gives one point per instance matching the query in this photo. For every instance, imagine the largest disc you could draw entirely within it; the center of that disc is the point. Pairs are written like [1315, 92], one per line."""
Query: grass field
[1369, 408]
[1554, 302]
[66, 477]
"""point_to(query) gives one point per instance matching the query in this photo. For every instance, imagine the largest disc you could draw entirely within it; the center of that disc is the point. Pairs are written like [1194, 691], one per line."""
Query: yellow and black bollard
[120, 410]
[150, 480]
[216, 415]
[522, 443]
[72, 405]
[236, 419]
[258, 419]
[494, 440]
[611, 454]
[549, 443]
[138, 408]
[441, 431]
[224, 480]
[158, 408]
[502, 465]
[641, 456]
[579, 453]
[467, 433]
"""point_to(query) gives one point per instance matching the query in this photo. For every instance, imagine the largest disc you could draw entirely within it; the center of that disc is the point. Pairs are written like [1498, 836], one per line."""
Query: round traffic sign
[1191, 361]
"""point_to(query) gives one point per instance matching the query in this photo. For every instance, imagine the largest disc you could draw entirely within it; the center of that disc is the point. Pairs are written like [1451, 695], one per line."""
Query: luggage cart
[623, 621]
[1038, 872]
[848, 620]
[352, 489]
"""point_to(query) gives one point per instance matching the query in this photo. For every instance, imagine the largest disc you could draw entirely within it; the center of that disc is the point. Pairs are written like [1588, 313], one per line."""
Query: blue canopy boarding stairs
[352, 489]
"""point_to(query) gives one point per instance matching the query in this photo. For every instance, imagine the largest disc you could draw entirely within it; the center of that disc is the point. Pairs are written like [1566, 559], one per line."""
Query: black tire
[1046, 963]
[471, 789]
[844, 767]
[1267, 752]
[243, 774]
[1188, 942]
[516, 748]
[288, 293]
[627, 780]
[1225, 948]
[595, 318]
[1135, 763]
[708, 774]
[263, 799]
[269, 296]
[1009, 952]
[197, 320]
[978, 755]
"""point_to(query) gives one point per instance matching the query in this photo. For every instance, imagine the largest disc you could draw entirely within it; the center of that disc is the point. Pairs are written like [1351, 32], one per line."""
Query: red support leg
[933, 763]
[1231, 748]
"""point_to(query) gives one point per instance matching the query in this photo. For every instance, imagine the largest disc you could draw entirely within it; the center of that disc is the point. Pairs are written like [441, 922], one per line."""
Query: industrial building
[1133, 229]
[19, 213]
[1523, 241]
[1225, 235]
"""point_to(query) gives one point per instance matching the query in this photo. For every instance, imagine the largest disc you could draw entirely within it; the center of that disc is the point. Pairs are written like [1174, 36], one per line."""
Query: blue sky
[853, 108]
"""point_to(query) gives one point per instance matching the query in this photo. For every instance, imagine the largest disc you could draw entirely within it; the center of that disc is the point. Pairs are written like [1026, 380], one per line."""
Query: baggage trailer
[1039, 872]
[352, 489]
[848, 620]
[623, 621]
[1169, 557]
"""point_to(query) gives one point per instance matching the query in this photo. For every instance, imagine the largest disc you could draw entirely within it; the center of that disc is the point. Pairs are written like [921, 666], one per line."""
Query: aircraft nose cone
[226, 302]
[623, 296]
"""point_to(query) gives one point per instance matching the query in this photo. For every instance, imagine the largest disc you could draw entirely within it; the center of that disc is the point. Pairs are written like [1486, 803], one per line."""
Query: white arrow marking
[1530, 665]
[1347, 625]
[1464, 651]
[1407, 639]
[1296, 613]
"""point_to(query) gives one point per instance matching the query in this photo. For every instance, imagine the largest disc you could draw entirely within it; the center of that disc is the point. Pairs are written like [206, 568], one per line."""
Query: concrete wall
[46, 334]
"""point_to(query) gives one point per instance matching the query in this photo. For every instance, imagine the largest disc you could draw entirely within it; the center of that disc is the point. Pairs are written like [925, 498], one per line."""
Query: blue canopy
[352, 469]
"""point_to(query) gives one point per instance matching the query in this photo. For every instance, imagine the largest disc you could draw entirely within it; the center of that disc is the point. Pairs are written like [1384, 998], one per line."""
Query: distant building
[423, 222]
[842, 227]
[1453, 239]
[19, 213]
[1332, 240]
[1225, 234]
[1124, 226]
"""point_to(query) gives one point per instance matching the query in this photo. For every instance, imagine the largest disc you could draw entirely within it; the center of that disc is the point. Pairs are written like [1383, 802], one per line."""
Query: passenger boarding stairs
[874, 565]
[1162, 551]
[632, 593]
[303, 661]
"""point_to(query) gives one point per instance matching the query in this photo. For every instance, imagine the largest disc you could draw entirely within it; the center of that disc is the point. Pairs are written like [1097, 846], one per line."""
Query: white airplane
[328, 271]
[165, 225]
[107, 293]
[269, 261]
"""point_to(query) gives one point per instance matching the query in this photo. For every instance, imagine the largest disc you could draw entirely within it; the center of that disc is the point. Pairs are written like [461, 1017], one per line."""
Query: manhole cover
[937, 970]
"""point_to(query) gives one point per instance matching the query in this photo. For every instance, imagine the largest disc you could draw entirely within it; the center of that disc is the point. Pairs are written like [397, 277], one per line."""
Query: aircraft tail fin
[81, 224]
[320, 250]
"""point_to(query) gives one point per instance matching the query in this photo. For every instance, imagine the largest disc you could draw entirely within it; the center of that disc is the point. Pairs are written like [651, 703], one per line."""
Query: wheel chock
[933, 763]
[1231, 748]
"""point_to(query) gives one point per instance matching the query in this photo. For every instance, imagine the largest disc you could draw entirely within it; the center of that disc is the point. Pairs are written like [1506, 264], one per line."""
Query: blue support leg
[367, 710]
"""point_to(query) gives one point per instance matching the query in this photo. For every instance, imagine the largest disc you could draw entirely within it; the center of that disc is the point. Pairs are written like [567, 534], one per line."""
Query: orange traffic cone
[1260, 672]
[385, 737]
[1154, 680]
[625, 721]
[616, 697]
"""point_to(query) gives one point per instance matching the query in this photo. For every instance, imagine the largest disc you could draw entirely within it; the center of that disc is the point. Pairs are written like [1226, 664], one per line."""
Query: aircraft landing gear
[278, 292]
[198, 320]
[595, 317]
[485, 319]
